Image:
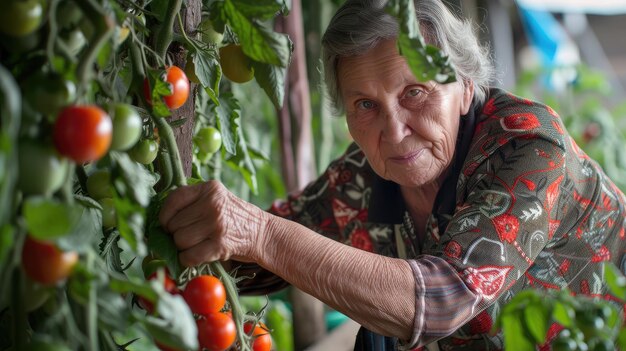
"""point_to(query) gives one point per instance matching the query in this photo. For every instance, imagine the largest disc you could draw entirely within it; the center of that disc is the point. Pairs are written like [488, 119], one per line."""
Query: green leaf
[162, 245]
[616, 281]
[160, 88]
[110, 251]
[258, 42]
[261, 9]
[537, 319]
[130, 224]
[621, 339]
[272, 80]
[49, 218]
[176, 326]
[87, 230]
[208, 70]
[131, 179]
[228, 115]
[515, 337]
[426, 61]
[113, 311]
[563, 314]
[134, 285]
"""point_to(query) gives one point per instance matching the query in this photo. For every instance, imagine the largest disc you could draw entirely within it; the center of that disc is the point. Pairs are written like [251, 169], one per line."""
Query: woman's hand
[209, 223]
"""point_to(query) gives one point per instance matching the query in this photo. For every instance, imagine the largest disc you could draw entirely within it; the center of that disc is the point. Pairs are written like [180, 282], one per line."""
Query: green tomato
[42, 170]
[21, 17]
[145, 151]
[47, 93]
[99, 185]
[127, 125]
[109, 217]
[209, 34]
[208, 140]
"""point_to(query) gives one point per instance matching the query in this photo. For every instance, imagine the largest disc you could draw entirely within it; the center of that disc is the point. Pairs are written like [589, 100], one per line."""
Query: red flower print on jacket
[360, 239]
[481, 324]
[506, 226]
[520, 122]
[453, 249]
[486, 280]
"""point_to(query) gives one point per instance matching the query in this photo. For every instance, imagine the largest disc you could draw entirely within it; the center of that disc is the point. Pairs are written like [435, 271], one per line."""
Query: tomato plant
[83, 133]
[216, 331]
[235, 64]
[44, 263]
[21, 17]
[205, 294]
[80, 189]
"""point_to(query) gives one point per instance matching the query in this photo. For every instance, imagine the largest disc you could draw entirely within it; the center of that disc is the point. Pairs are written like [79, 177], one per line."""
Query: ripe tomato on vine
[179, 86]
[83, 132]
[44, 263]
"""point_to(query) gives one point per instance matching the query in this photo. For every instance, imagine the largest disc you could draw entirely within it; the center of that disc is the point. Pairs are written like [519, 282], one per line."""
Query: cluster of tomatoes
[81, 133]
[206, 297]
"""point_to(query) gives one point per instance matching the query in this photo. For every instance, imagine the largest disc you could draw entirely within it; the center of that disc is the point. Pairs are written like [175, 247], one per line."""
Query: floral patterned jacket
[523, 207]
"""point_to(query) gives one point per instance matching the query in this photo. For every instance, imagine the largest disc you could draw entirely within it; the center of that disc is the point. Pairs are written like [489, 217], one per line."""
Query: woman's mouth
[408, 157]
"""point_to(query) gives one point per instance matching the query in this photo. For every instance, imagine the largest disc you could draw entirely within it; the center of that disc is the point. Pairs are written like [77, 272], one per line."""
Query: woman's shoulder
[505, 116]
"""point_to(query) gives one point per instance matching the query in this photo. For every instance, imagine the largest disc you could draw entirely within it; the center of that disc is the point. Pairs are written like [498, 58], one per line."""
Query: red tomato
[216, 331]
[83, 133]
[44, 263]
[205, 294]
[260, 335]
[180, 88]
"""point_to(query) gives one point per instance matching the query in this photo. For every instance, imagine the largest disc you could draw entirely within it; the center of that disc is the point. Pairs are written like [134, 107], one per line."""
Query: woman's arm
[209, 223]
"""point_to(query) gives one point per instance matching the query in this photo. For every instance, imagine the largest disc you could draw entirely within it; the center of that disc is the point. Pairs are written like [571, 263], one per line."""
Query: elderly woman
[453, 197]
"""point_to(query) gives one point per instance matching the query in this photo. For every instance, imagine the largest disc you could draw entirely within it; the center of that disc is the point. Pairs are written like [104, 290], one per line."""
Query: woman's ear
[468, 96]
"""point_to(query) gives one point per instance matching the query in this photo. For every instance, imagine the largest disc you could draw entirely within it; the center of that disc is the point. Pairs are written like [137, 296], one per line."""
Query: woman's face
[406, 128]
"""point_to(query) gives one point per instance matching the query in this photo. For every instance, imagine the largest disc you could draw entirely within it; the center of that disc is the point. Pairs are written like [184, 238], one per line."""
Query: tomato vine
[97, 156]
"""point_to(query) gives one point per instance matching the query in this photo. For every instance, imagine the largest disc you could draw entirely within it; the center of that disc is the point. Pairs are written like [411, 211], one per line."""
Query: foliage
[566, 322]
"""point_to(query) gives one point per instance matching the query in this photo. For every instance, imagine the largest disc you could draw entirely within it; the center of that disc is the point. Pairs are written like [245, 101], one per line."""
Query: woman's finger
[188, 236]
[179, 199]
[205, 251]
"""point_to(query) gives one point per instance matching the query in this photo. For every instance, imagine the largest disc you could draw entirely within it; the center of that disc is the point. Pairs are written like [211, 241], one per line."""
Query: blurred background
[569, 54]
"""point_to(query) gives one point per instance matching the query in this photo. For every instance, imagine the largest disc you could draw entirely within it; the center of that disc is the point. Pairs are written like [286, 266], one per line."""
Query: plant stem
[92, 307]
[166, 29]
[104, 25]
[233, 298]
[167, 136]
[20, 324]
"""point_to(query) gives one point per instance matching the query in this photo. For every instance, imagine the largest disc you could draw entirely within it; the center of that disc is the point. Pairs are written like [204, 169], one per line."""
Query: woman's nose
[395, 126]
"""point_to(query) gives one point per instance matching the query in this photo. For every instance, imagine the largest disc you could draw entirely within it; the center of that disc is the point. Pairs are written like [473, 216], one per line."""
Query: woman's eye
[365, 105]
[413, 93]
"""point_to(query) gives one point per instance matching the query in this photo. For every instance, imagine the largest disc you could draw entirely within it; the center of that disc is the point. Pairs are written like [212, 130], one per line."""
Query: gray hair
[359, 25]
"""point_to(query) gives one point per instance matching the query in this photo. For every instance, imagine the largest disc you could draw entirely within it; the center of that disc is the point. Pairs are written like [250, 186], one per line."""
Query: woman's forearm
[376, 291]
